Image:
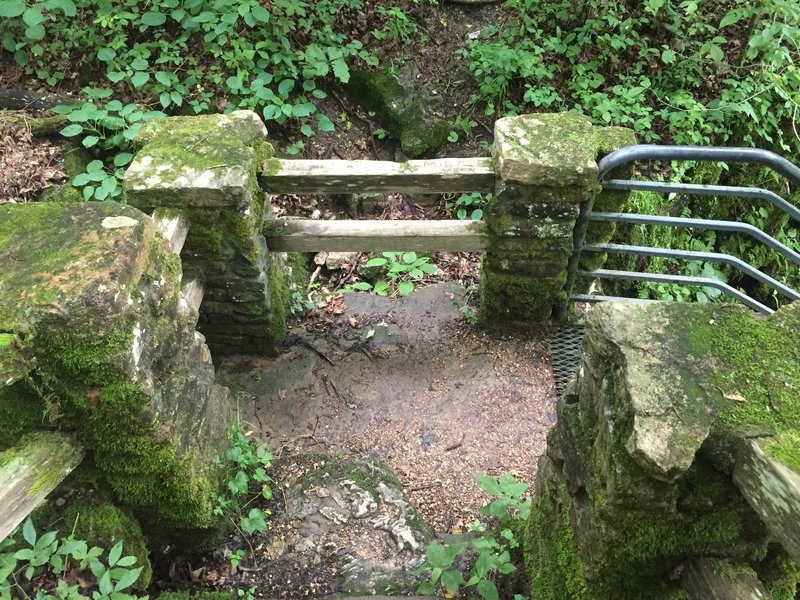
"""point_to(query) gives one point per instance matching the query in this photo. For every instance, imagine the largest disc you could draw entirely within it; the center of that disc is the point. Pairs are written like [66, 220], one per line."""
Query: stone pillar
[546, 167]
[206, 167]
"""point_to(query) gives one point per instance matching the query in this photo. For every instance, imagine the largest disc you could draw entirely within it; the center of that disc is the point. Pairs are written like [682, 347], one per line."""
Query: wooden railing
[438, 176]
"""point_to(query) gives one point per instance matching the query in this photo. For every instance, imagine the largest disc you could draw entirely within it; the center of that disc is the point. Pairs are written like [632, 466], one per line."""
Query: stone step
[173, 226]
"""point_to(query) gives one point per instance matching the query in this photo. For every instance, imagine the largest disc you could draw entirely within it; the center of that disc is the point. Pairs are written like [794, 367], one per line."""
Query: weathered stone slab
[715, 579]
[30, 471]
[556, 150]
[203, 161]
[173, 226]
[671, 415]
[61, 258]
[773, 490]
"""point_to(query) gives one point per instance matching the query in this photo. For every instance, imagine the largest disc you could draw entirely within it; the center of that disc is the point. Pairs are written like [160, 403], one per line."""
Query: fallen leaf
[353, 322]
[734, 398]
[320, 258]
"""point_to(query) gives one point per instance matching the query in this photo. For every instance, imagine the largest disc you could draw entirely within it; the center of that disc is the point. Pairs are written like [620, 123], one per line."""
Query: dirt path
[435, 398]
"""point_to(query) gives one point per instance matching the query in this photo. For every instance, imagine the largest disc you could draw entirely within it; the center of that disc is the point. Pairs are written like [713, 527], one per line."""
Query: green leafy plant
[685, 71]
[48, 558]
[107, 130]
[244, 464]
[468, 206]
[402, 270]
[200, 54]
[492, 547]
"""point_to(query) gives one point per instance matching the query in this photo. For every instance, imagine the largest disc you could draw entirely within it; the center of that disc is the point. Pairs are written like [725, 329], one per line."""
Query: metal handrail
[694, 153]
[682, 279]
[699, 153]
[716, 257]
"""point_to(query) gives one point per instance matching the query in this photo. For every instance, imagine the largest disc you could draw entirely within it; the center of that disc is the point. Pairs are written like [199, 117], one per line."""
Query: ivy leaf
[106, 54]
[341, 70]
[405, 288]
[306, 130]
[32, 16]
[668, 57]
[488, 590]
[489, 484]
[260, 13]
[65, 6]
[122, 159]
[35, 32]
[90, 140]
[140, 78]
[115, 76]
[324, 123]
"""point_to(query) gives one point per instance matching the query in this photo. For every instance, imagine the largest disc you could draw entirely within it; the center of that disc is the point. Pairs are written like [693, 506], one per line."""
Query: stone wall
[206, 168]
[673, 470]
[98, 338]
[546, 168]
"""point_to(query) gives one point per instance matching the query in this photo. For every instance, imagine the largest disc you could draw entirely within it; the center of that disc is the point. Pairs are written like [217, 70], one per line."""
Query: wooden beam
[31, 470]
[436, 176]
[300, 235]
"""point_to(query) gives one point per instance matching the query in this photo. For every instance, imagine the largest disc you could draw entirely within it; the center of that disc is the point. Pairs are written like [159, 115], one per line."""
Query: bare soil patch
[436, 399]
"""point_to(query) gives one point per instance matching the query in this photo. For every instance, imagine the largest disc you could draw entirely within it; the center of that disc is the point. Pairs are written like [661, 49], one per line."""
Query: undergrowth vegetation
[674, 71]
[48, 567]
[691, 71]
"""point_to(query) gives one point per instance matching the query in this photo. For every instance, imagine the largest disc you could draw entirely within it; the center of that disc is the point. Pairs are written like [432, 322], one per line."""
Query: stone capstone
[206, 168]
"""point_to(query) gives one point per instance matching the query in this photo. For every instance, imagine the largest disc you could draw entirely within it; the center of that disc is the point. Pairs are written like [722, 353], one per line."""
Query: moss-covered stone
[507, 297]
[403, 108]
[105, 525]
[37, 126]
[95, 297]
[604, 524]
[61, 193]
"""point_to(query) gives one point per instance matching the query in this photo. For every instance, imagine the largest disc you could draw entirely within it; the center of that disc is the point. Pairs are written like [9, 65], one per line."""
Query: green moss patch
[104, 525]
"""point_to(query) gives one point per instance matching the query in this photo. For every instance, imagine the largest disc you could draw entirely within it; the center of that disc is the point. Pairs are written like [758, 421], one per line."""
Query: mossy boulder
[637, 477]
[403, 106]
[95, 335]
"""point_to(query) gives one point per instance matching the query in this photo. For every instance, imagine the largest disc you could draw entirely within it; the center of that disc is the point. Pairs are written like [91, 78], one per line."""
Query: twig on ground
[317, 352]
[458, 444]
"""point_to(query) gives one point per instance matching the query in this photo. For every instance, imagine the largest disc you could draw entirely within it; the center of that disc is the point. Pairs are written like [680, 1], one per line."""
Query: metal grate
[565, 353]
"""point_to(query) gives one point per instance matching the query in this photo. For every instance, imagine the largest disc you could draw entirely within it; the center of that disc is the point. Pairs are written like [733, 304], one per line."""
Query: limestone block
[556, 150]
[773, 490]
[97, 295]
[173, 226]
[202, 161]
[716, 579]
[671, 415]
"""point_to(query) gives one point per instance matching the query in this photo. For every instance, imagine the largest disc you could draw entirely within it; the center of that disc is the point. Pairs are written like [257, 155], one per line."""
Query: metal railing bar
[701, 153]
[733, 226]
[601, 298]
[679, 279]
[705, 190]
[717, 257]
